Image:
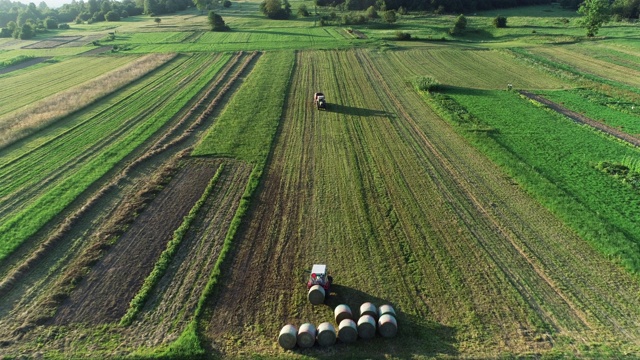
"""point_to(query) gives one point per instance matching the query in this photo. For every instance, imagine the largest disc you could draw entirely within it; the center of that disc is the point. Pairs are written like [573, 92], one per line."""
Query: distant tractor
[319, 284]
[319, 100]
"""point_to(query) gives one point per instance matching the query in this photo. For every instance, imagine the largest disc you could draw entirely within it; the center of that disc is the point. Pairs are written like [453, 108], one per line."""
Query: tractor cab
[319, 277]
[319, 100]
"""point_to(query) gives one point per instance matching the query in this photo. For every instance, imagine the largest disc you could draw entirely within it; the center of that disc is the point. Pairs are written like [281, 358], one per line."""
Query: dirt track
[579, 118]
[23, 65]
[105, 294]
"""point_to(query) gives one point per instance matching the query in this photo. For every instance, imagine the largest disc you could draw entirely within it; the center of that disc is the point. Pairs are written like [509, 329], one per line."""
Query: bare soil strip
[98, 50]
[581, 119]
[23, 64]
[173, 301]
[105, 294]
[53, 42]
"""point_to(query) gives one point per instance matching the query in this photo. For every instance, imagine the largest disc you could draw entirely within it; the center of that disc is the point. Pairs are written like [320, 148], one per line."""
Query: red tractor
[318, 99]
[319, 284]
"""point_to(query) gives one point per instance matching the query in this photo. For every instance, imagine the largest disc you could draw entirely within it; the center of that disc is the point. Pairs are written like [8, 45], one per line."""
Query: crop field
[618, 66]
[365, 187]
[481, 69]
[27, 87]
[167, 197]
[86, 147]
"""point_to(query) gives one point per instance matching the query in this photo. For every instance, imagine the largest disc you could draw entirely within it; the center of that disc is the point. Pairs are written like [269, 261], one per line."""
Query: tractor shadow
[417, 335]
[354, 111]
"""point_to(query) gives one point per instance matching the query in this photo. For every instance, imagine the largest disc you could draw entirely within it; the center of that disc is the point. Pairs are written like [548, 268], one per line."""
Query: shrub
[401, 35]
[459, 26]
[390, 16]
[217, 23]
[50, 23]
[500, 21]
[402, 10]
[226, 3]
[112, 16]
[63, 26]
[24, 33]
[426, 83]
[276, 9]
[303, 11]
[372, 13]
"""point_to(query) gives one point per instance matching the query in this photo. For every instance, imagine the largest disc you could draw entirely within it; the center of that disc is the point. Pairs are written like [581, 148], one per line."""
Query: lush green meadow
[555, 159]
[613, 111]
[484, 218]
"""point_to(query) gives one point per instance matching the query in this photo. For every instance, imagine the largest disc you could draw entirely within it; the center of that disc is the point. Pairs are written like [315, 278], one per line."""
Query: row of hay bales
[382, 320]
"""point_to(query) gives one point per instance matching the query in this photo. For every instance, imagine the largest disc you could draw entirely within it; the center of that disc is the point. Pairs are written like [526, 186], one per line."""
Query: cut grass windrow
[100, 140]
[24, 88]
[27, 120]
[159, 146]
[167, 255]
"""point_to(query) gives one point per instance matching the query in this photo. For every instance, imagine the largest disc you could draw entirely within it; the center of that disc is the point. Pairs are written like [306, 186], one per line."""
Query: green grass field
[481, 216]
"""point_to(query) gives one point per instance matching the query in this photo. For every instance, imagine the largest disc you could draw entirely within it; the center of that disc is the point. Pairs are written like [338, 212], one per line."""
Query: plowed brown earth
[405, 211]
[105, 294]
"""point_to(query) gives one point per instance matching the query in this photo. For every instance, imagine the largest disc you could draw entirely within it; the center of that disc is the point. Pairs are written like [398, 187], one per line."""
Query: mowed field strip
[74, 154]
[406, 212]
[20, 89]
[623, 69]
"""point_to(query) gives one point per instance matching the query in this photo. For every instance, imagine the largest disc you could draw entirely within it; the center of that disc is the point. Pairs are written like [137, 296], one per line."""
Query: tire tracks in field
[465, 183]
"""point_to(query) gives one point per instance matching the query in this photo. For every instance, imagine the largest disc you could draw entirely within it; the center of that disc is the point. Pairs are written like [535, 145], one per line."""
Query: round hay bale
[306, 335]
[387, 325]
[288, 337]
[316, 295]
[342, 312]
[366, 327]
[369, 309]
[347, 331]
[326, 334]
[386, 309]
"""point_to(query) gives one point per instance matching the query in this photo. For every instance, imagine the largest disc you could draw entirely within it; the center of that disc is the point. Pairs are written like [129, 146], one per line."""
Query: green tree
[595, 13]
[226, 3]
[112, 16]
[500, 21]
[217, 23]
[303, 11]
[151, 7]
[390, 16]
[459, 26]
[157, 21]
[276, 9]
[50, 23]
[372, 13]
[201, 5]
[26, 32]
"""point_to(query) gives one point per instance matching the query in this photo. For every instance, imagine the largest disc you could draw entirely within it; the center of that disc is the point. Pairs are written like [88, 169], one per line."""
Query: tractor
[319, 100]
[318, 284]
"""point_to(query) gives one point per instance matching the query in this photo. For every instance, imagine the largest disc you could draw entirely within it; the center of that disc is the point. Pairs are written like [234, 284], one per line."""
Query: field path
[581, 119]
